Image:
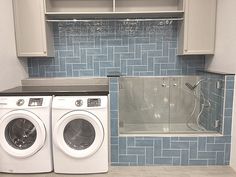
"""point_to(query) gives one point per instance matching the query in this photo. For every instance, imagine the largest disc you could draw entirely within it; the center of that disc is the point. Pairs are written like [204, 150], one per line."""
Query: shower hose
[194, 109]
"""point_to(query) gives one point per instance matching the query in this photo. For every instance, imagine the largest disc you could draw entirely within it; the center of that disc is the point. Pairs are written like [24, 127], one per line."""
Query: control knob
[79, 103]
[20, 102]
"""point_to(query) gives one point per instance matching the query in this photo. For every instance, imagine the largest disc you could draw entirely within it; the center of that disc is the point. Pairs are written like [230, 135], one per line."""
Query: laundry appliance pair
[67, 134]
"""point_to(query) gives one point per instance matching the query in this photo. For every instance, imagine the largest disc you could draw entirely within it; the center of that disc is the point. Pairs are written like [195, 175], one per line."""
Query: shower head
[192, 87]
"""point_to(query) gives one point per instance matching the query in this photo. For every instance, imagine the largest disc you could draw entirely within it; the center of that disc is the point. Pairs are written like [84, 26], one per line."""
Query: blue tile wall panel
[176, 151]
[98, 48]
[134, 49]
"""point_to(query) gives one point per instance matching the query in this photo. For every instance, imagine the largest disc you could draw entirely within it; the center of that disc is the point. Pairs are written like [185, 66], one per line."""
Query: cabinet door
[30, 28]
[199, 27]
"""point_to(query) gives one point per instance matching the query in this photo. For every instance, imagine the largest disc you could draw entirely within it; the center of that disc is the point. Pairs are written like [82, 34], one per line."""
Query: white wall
[225, 54]
[12, 70]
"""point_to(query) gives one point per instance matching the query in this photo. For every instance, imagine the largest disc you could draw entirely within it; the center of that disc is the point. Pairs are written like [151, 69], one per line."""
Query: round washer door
[78, 134]
[22, 133]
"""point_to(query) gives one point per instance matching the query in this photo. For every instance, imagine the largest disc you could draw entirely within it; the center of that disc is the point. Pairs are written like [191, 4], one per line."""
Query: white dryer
[25, 138]
[80, 134]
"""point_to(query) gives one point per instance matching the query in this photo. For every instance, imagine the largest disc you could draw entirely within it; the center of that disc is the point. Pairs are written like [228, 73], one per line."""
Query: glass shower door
[144, 105]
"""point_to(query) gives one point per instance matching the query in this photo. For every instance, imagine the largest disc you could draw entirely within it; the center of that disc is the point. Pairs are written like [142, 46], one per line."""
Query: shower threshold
[164, 128]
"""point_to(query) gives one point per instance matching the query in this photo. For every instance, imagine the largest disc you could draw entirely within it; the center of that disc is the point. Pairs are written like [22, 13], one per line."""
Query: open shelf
[78, 6]
[148, 5]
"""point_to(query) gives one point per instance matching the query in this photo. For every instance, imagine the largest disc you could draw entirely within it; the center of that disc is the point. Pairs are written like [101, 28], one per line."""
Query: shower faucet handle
[174, 84]
[163, 84]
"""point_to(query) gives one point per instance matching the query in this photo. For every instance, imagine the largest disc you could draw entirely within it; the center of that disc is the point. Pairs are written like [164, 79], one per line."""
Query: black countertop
[77, 90]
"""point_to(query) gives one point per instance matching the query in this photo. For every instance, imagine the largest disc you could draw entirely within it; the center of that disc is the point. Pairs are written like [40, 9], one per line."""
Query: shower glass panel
[184, 104]
[144, 105]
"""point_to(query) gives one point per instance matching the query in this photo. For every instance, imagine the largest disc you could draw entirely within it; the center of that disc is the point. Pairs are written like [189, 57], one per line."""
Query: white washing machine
[25, 138]
[80, 134]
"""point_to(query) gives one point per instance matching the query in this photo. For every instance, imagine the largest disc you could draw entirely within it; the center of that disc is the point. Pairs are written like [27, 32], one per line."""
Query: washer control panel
[94, 102]
[35, 102]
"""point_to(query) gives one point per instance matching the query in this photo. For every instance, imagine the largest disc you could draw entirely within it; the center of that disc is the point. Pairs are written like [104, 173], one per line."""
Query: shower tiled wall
[191, 150]
[130, 48]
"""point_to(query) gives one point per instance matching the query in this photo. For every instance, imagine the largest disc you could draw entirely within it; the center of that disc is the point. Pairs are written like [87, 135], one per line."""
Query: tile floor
[216, 171]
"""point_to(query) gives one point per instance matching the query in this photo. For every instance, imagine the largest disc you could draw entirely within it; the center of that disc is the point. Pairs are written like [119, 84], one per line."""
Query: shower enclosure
[181, 104]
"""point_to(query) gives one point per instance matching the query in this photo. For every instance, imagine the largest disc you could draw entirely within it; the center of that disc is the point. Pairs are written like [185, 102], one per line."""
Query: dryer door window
[22, 133]
[78, 134]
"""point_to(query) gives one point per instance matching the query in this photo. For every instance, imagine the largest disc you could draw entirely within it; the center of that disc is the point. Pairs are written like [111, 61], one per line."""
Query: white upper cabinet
[197, 32]
[33, 35]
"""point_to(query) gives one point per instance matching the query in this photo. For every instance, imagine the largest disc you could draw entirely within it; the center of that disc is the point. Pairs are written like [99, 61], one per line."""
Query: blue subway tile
[227, 153]
[149, 155]
[210, 139]
[193, 150]
[136, 150]
[206, 155]
[166, 143]
[229, 99]
[171, 153]
[227, 126]
[122, 145]
[141, 160]
[121, 49]
[144, 142]
[202, 143]
[180, 145]
[184, 157]
[130, 141]
[198, 162]
[163, 161]
[220, 158]
[114, 127]
[215, 147]
[114, 153]
[157, 148]
[224, 139]
[176, 161]
[114, 140]
[127, 158]
[114, 101]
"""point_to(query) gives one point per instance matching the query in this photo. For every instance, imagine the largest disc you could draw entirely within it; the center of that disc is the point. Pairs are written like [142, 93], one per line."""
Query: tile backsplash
[132, 48]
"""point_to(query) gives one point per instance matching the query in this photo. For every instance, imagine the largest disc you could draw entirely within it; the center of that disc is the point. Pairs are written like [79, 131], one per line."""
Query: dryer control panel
[94, 102]
[35, 101]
